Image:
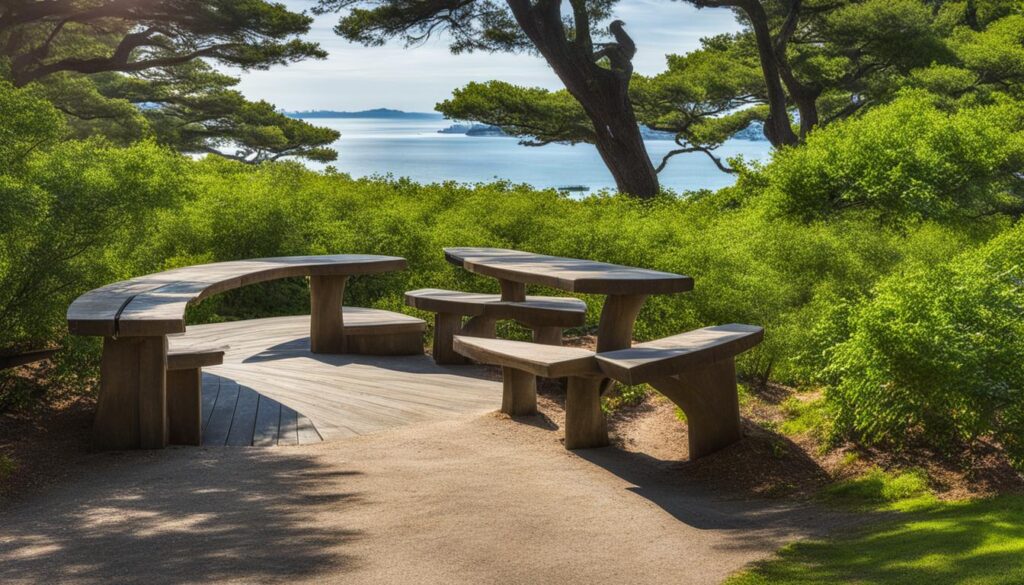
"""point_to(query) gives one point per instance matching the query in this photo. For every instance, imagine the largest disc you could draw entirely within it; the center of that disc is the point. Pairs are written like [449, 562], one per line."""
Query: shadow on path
[182, 516]
[704, 505]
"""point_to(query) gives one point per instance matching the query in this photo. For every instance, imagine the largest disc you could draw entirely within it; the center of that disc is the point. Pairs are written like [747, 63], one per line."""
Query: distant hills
[378, 113]
[755, 131]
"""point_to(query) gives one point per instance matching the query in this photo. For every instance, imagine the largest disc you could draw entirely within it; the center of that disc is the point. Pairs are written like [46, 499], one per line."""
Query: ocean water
[414, 149]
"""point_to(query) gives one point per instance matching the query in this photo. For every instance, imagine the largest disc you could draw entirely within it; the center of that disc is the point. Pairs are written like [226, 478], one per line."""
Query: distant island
[377, 113]
[753, 132]
[473, 129]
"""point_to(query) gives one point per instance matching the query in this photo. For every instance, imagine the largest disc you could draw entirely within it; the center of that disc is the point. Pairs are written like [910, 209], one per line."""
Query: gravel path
[480, 499]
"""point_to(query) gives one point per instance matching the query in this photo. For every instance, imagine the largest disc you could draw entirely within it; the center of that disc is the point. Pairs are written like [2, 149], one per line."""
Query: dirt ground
[480, 499]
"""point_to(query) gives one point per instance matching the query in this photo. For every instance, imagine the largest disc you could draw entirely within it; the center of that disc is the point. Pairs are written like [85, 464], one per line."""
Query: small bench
[695, 370]
[546, 316]
[185, 388]
[379, 332]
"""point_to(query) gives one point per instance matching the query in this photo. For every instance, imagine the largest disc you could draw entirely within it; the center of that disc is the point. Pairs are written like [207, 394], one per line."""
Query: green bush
[905, 161]
[936, 354]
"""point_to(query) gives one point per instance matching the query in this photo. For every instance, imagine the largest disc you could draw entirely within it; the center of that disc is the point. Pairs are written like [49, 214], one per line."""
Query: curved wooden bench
[546, 316]
[696, 370]
[135, 316]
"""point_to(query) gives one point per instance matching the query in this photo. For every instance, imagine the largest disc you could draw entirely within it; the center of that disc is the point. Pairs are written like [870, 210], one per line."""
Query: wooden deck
[271, 390]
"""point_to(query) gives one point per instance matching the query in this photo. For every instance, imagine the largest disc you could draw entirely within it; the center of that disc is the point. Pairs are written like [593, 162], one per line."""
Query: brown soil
[43, 446]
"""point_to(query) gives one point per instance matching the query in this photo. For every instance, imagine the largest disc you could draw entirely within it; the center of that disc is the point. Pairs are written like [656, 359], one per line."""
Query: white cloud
[354, 77]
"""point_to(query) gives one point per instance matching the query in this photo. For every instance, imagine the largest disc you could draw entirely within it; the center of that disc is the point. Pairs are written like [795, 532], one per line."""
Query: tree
[134, 69]
[43, 38]
[596, 75]
[702, 99]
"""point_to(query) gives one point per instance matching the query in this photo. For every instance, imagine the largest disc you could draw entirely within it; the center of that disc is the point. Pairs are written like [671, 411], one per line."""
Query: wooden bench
[546, 316]
[695, 370]
[185, 365]
[136, 316]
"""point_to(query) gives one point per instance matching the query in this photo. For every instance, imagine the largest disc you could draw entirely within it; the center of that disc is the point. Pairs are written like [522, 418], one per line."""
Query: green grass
[878, 487]
[805, 417]
[919, 540]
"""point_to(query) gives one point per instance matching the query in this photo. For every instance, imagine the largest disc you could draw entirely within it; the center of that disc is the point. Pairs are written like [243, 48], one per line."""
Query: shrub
[905, 161]
[936, 355]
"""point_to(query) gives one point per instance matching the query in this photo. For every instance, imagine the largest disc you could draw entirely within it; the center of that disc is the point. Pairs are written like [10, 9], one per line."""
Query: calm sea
[414, 149]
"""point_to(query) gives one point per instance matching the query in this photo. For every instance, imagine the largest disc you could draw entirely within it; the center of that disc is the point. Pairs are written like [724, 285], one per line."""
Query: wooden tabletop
[154, 304]
[569, 274]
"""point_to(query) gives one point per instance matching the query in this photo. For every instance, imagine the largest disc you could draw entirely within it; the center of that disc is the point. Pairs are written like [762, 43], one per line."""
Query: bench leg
[615, 329]
[326, 324]
[584, 421]
[708, 397]
[184, 406]
[131, 412]
[519, 392]
[446, 326]
[547, 335]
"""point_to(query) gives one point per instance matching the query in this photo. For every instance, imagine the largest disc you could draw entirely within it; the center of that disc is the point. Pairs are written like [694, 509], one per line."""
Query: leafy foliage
[935, 355]
[907, 161]
[131, 71]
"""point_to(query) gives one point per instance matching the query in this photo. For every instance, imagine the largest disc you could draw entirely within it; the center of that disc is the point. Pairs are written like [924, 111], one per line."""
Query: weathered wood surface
[541, 360]
[533, 310]
[155, 304]
[569, 274]
[300, 393]
[184, 356]
[668, 356]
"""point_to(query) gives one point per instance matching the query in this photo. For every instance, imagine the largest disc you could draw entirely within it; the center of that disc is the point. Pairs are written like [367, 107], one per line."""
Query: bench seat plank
[548, 361]
[666, 357]
[155, 304]
[540, 310]
[364, 321]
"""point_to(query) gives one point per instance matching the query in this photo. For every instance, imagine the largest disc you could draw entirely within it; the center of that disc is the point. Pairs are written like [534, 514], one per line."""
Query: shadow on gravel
[182, 516]
[705, 504]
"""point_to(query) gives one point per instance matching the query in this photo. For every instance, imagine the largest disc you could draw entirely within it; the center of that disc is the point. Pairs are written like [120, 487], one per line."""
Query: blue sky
[355, 77]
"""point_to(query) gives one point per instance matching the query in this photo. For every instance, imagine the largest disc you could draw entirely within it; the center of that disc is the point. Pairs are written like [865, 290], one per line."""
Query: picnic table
[625, 288]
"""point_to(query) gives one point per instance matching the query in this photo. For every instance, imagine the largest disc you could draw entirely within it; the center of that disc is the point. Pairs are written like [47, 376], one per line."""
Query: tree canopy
[595, 74]
[143, 68]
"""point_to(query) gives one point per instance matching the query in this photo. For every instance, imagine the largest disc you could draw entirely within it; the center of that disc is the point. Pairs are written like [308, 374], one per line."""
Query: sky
[354, 77]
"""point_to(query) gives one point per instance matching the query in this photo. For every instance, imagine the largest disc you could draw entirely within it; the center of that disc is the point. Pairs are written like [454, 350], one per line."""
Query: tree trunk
[777, 128]
[620, 143]
[603, 94]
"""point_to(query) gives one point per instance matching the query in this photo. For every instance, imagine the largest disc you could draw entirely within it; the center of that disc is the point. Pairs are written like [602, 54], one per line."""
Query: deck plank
[244, 420]
[289, 434]
[340, 395]
[211, 387]
[268, 422]
[223, 412]
[307, 432]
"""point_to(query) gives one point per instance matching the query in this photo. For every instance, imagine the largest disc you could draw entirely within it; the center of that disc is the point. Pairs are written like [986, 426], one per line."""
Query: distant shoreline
[376, 113]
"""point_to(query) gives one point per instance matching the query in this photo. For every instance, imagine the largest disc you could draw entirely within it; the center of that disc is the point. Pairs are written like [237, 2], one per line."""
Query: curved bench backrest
[155, 304]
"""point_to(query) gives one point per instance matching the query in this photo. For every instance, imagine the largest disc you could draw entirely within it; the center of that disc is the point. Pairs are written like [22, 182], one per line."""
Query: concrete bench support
[519, 392]
[708, 397]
